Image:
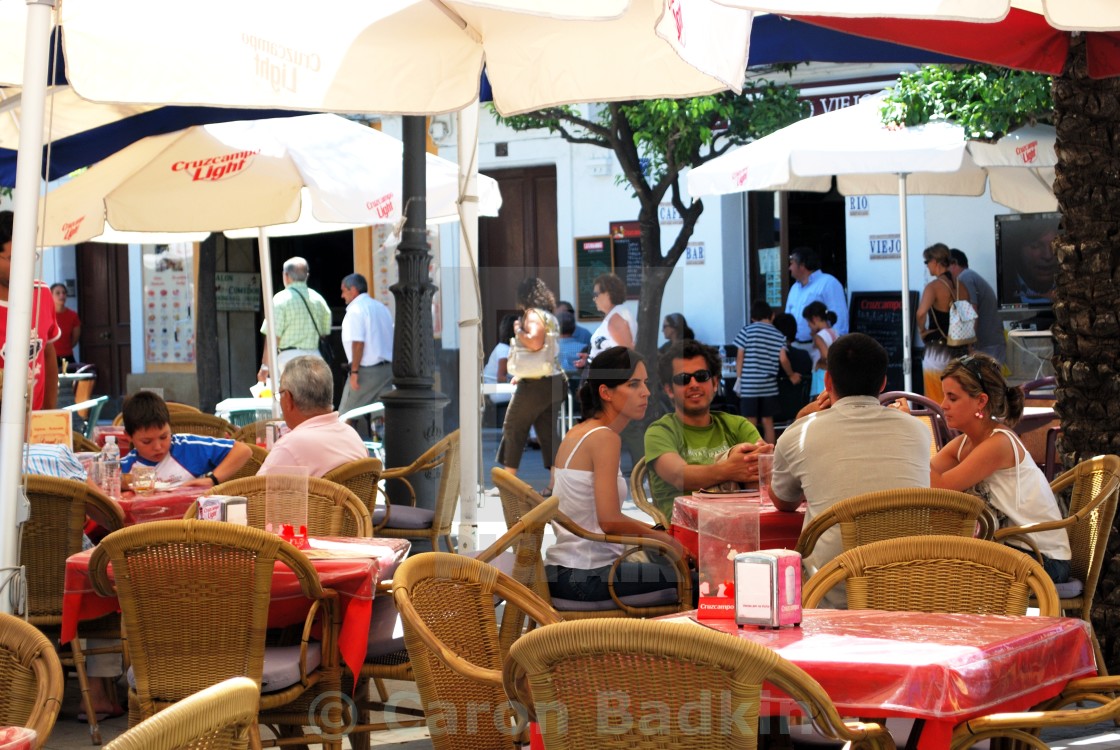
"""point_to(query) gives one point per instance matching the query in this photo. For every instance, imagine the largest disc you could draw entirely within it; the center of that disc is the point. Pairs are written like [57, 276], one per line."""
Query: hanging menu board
[626, 248]
[593, 258]
[879, 315]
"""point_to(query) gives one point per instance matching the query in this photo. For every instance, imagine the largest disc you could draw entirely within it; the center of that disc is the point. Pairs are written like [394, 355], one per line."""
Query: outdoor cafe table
[352, 567]
[777, 529]
[939, 668]
[167, 505]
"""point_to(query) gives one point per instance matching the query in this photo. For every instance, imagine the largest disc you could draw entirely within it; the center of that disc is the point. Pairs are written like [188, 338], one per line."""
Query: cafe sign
[885, 246]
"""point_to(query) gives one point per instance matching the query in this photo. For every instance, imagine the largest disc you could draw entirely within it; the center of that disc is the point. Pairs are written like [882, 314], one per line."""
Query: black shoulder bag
[326, 351]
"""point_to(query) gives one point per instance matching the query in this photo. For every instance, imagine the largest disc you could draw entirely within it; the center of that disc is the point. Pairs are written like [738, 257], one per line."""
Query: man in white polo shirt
[367, 339]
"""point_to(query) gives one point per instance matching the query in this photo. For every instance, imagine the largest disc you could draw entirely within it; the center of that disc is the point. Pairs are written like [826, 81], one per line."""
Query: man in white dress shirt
[812, 284]
[367, 339]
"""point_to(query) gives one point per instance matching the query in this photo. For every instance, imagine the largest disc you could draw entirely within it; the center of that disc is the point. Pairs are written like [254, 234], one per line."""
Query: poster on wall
[169, 303]
[385, 272]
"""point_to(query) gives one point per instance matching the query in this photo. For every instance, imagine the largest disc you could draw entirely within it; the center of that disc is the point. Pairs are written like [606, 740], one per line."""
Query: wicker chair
[641, 499]
[197, 423]
[361, 478]
[524, 538]
[411, 522]
[1094, 486]
[929, 412]
[194, 599]
[53, 532]
[332, 510]
[890, 514]
[82, 444]
[30, 678]
[250, 432]
[217, 718]
[253, 465]
[936, 574]
[518, 498]
[173, 407]
[446, 602]
[1023, 728]
[560, 674]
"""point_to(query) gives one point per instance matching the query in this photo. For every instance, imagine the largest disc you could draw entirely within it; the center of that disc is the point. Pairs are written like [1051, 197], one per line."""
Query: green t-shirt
[696, 445]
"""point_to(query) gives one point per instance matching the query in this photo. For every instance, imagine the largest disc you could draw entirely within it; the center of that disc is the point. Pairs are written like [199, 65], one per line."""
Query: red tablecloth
[17, 738]
[937, 667]
[777, 529]
[354, 578]
[169, 505]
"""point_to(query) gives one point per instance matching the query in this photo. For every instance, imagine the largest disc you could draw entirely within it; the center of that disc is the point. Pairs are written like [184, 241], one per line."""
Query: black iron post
[413, 410]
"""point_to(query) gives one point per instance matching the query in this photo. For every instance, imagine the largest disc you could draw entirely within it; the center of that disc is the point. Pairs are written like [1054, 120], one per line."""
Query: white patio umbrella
[305, 174]
[867, 158]
[391, 56]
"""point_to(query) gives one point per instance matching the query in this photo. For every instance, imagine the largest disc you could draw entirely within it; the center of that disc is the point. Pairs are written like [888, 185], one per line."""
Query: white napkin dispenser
[768, 588]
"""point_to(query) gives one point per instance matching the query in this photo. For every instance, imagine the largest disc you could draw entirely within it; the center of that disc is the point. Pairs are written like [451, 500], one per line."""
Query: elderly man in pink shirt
[317, 439]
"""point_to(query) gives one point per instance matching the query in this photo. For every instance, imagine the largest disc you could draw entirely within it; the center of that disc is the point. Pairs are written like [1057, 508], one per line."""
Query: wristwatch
[210, 475]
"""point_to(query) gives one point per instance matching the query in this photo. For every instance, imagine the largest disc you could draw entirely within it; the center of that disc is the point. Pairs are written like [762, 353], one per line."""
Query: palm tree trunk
[1086, 332]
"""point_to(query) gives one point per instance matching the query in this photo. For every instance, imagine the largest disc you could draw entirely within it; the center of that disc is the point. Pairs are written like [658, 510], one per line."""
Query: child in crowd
[179, 459]
[820, 320]
[795, 372]
[756, 368]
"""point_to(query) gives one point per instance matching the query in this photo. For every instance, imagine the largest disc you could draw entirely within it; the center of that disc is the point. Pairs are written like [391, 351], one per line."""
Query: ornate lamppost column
[413, 410]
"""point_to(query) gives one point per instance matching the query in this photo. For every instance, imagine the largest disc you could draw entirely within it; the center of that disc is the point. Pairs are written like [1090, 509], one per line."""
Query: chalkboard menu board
[593, 258]
[879, 315]
[626, 247]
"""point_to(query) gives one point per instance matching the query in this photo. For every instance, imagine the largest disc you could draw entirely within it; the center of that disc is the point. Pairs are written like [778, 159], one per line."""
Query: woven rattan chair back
[444, 457]
[54, 532]
[332, 510]
[257, 456]
[639, 495]
[561, 673]
[173, 408]
[30, 678]
[82, 444]
[217, 718]
[197, 423]
[936, 574]
[250, 432]
[518, 498]
[446, 603]
[929, 412]
[361, 478]
[518, 501]
[890, 514]
[194, 599]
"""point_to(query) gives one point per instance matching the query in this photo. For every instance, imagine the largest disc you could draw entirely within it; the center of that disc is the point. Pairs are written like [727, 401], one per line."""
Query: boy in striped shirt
[756, 367]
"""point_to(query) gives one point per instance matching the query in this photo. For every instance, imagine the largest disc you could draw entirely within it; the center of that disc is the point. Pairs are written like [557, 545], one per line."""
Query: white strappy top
[576, 490]
[1020, 495]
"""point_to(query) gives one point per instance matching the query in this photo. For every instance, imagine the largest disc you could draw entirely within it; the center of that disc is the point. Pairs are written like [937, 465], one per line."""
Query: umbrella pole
[14, 509]
[273, 381]
[907, 365]
[470, 346]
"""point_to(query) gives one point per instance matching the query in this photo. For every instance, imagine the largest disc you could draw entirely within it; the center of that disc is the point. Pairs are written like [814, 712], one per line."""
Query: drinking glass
[765, 472]
[143, 479]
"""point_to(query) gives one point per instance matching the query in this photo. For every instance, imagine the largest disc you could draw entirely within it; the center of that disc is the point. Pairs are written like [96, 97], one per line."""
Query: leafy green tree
[653, 142]
[1086, 116]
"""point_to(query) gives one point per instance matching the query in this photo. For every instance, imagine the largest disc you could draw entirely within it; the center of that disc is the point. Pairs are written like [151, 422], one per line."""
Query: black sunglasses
[684, 378]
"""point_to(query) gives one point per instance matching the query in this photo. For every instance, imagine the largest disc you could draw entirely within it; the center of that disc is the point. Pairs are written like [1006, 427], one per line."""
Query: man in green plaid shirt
[302, 315]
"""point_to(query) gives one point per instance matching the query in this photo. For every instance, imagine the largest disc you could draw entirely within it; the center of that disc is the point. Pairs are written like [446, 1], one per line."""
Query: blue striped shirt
[762, 344]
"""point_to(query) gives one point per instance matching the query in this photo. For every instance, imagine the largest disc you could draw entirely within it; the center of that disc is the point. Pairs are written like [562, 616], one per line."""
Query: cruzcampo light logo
[215, 168]
[70, 228]
[382, 206]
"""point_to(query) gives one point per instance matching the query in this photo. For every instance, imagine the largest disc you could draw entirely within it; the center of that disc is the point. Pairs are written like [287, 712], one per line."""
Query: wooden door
[103, 306]
[520, 242]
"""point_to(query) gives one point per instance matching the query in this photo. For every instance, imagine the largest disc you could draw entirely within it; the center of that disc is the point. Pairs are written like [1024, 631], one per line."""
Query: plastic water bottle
[111, 468]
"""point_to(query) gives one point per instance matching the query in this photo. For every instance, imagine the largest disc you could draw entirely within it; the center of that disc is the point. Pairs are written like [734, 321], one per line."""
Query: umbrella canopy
[243, 174]
[1070, 15]
[391, 56]
[867, 158]
[1022, 39]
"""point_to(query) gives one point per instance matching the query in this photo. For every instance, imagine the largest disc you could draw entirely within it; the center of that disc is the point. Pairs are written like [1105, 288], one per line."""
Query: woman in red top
[68, 322]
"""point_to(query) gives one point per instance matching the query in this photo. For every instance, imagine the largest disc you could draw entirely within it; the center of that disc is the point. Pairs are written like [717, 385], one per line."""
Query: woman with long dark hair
[591, 487]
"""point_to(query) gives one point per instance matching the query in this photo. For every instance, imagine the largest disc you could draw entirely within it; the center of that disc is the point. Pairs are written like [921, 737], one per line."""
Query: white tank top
[576, 490]
[1021, 495]
[602, 340]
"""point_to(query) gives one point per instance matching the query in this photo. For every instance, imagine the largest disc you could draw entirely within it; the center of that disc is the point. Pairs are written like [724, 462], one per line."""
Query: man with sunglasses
[694, 447]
